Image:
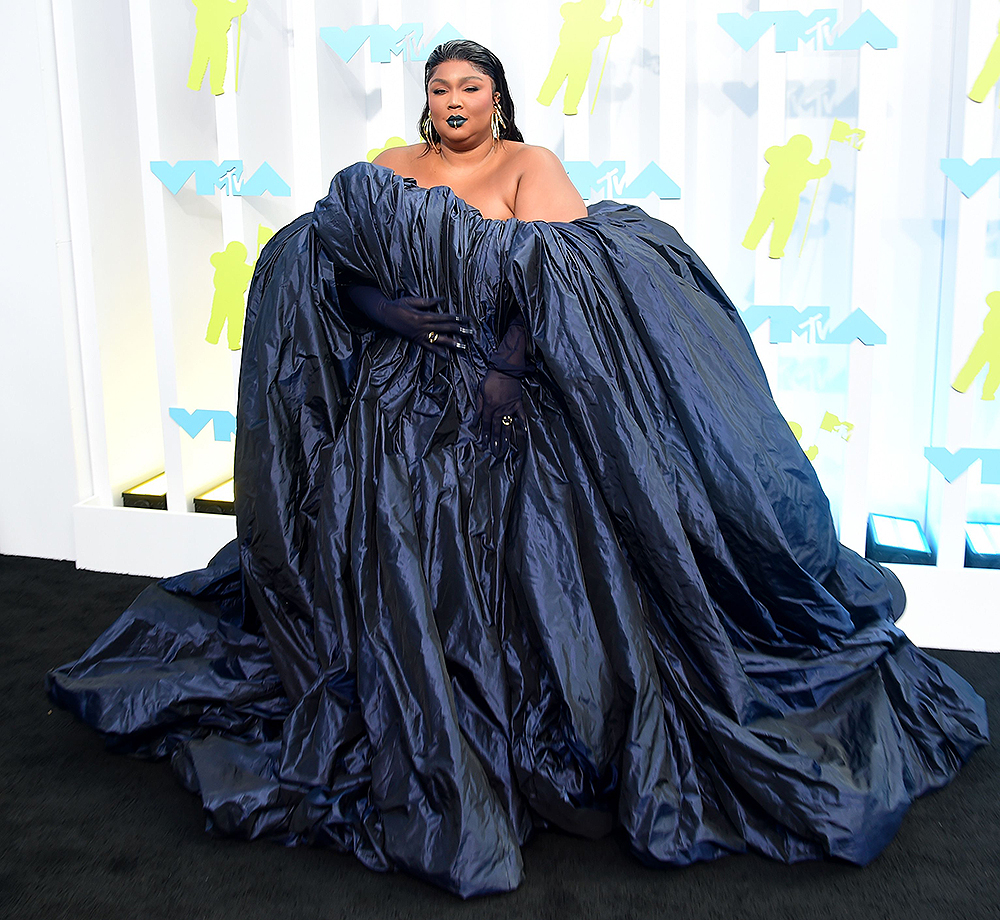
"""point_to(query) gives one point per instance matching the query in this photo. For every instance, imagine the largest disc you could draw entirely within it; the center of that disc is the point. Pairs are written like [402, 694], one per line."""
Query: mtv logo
[384, 41]
[786, 321]
[836, 426]
[814, 99]
[952, 465]
[607, 179]
[813, 323]
[792, 27]
[227, 175]
[223, 422]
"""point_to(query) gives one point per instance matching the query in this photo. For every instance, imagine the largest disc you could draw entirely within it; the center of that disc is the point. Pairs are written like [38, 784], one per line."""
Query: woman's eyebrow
[460, 79]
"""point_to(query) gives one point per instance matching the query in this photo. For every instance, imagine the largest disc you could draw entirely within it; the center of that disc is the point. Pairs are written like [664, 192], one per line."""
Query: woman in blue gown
[523, 542]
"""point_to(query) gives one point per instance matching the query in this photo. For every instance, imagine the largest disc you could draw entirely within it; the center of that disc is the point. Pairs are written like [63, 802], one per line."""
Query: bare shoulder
[401, 160]
[531, 159]
[544, 190]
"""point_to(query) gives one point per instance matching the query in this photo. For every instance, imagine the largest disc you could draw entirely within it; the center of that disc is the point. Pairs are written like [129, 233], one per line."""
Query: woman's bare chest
[490, 191]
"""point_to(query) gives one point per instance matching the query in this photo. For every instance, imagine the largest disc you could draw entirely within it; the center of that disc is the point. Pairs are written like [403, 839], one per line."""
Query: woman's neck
[467, 158]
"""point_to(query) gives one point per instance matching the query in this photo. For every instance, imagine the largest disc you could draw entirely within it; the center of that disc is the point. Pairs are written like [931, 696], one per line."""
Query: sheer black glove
[414, 319]
[499, 412]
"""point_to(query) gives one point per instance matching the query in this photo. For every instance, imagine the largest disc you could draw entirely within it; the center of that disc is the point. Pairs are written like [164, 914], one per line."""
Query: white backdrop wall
[862, 325]
[39, 351]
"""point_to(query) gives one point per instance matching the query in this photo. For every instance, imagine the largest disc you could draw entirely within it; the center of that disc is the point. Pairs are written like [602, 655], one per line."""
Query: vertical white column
[771, 80]
[74, 248]
[671, 39]
[156, 246]
[307, 178]
[576, 128]
[227, 134]
[391, 119]
[374, 136]
[879, 81]
[64, 254]
[952, 419]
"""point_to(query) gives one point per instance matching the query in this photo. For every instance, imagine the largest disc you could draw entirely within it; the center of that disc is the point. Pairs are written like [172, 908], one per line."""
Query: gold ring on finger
[432, 337]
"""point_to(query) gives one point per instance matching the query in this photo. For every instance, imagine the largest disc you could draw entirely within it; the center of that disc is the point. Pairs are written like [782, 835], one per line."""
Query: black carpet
[85, 833]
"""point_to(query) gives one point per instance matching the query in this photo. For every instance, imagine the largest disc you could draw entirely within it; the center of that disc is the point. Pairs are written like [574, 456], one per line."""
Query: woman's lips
[456, 121]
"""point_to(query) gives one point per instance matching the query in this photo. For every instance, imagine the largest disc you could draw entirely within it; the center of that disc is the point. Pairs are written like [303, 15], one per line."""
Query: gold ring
[508, 420]
[432, 337]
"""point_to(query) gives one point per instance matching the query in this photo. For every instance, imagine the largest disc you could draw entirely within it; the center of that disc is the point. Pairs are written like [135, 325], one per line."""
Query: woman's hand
[499, 413]
[413, 318]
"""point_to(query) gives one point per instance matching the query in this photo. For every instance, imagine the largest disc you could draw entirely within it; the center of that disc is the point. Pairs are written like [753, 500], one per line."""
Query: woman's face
[459, 91]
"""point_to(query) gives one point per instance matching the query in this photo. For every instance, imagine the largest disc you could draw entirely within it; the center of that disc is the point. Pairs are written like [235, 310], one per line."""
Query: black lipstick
[456, 121]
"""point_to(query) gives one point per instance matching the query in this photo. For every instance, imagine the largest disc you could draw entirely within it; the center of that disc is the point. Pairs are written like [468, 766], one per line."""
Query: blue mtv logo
[818, 28]
[385, 41]
[608, 180]
[813, 324]
[227, 175]
[951, 465]
[223, 422]
[970, 177]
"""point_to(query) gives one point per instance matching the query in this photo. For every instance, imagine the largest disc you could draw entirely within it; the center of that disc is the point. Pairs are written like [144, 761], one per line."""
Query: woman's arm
[500, 413]
[544, 191]
[413, 318]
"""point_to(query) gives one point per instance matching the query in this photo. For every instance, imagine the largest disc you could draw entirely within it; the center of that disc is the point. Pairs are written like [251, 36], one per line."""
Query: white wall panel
[37, 463]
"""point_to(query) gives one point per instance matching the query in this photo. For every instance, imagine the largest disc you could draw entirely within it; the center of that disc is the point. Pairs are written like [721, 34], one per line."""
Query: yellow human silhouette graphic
[211, 43]
[990, 73]
[985, 351]
[582, 30]
[232, 277]
[784, 181]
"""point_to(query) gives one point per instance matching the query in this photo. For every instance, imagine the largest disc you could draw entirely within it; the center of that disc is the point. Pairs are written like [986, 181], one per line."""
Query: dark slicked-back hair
[483, 60]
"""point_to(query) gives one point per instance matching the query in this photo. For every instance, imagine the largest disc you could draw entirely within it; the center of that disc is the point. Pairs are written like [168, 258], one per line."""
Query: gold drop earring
[427, 131]
[497, 122]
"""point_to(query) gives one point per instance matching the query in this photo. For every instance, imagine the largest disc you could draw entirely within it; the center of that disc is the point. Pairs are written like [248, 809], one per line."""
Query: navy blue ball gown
[639, 618]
